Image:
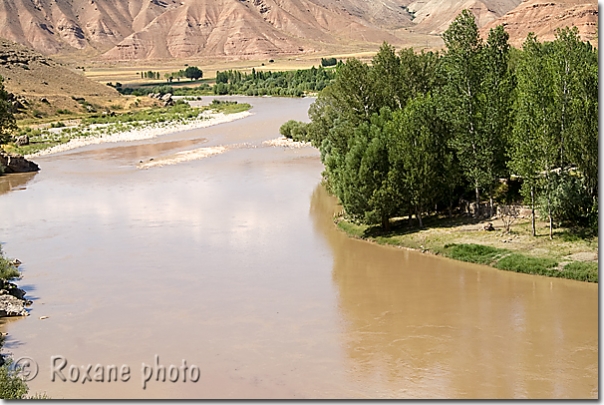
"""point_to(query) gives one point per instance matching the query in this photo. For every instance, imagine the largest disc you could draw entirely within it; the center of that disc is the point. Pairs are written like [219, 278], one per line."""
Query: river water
[232, 263]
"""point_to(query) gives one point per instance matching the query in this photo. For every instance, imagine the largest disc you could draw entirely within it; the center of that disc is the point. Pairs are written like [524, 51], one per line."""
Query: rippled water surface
[226, 255]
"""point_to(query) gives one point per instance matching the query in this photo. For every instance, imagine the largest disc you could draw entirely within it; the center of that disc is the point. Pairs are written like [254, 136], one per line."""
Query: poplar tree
[419, 152]
[534, 147]
[575, 83]
[462, 70]
[497, 89]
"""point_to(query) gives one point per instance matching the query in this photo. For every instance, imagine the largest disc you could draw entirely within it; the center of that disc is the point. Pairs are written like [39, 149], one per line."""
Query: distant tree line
[233, 82]
[261, 83]
[191, 72]
[414, 133]
[150, 75]
[202, 89]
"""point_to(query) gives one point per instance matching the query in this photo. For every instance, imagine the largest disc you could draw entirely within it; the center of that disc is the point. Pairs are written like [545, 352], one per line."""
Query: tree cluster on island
[416, 132]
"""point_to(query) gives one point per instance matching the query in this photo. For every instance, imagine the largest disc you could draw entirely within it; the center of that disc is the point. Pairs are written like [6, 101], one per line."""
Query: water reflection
[218, 261]
[137, 151]
[15, 181]
[424, 326]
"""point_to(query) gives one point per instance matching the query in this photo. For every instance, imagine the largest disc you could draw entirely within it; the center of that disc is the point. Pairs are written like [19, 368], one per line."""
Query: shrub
[328, 62]
[295, 130]
[12, 385]
[571, 203]
[474, 253]
[582, 271]
[531, 265]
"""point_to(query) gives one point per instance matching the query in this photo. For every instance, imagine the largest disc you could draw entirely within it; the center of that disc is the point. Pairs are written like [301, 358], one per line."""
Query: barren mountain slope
[170, 28]
[544, 17]
[243, 28]
[434, 16]
[45, 84]
[387, 14]
[160, 29]
[67, 25]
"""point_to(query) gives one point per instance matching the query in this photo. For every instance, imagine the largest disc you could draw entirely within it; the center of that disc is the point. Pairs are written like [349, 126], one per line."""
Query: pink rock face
[166, 29]
[543, 18]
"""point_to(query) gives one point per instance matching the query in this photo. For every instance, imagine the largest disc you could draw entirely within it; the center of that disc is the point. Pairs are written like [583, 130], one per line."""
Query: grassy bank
[60, 132]
[571, 254]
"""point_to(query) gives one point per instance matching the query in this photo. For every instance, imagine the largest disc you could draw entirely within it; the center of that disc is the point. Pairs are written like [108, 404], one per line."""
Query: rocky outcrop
[22, 140]
[11, 163]
[12, 298]
[167, 99]
[17, 103]
[11, 305]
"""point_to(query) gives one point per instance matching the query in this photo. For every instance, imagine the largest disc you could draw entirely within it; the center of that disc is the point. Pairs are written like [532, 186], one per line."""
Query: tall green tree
[339, 108]
[462, 103]
[418, 71]
[574, 66]
[535, 148]
[193, 73]
[497, 90]
[390, 90]
[368, 191]
[7, 120]
[419, 154]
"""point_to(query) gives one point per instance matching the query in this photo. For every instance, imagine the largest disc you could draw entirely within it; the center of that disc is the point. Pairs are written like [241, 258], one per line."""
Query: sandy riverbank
[149, 131]
[287, 143]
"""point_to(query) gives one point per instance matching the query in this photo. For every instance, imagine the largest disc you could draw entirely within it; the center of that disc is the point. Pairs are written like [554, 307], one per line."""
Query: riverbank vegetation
[423, 134]
[12, 385]
[291, 84]
[257, 83]
[568, 255]
[59, 133]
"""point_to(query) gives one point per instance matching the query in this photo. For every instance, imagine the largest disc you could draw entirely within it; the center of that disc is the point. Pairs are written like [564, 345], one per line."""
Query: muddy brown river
[232, 263]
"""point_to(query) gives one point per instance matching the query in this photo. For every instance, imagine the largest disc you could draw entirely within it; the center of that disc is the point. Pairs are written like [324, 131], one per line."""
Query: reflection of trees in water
[438, 328]
[9, 182]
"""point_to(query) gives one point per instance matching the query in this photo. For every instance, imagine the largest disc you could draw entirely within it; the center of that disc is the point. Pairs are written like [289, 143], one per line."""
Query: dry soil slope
[544, 17]
[159, 29]
[144, 29]
[35, 77]
[434, 16]
[248, 28]
[53, 26]
[385, 14]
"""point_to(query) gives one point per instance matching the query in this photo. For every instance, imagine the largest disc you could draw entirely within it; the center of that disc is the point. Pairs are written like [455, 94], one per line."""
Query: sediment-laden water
[224, 254]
